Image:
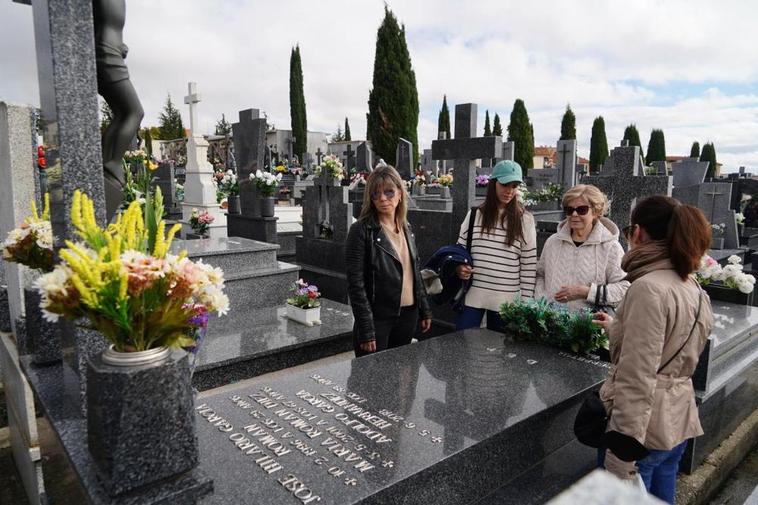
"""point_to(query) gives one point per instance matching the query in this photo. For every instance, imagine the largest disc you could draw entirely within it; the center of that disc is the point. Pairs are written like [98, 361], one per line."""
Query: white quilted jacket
[595, 262]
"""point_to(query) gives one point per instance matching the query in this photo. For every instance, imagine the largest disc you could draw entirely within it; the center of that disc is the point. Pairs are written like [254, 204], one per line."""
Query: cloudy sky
[688, 67]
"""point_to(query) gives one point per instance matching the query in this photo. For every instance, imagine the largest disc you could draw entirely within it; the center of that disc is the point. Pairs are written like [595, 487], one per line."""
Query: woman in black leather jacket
[383, 275]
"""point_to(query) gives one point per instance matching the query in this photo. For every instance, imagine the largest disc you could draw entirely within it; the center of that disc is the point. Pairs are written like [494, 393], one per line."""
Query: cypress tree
[223, 127]
[170, 122]
[393, 101]
[521, 131]
[656, 147]
[709, 154]
[633, 136]
[487, 129]
[347, 131]
[598, 144]
[297, 105]
[568, 125]
[695, 150]
[443, 122]
[497, 128]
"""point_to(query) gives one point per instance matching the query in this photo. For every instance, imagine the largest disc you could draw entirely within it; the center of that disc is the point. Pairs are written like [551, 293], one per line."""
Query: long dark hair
[510, 220]
[683, 228]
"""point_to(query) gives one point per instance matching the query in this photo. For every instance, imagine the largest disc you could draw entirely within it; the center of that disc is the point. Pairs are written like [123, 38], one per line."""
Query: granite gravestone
[436, 429]
[349, 155]
[566, 164]
[507, 151]
[714, 200]
[404, 158]
[199, 191]
[623, 181]
[164, 178]
[320, 252]
[364, 157]
[688, 175]
[464, 149]
[429, 165]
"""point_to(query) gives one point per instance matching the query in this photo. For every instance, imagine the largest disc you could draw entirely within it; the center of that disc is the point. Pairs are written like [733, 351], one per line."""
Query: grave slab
[436, 428]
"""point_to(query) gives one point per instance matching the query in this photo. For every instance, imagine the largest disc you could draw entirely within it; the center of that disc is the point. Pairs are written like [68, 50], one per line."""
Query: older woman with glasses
[580, 264]
[383, 275]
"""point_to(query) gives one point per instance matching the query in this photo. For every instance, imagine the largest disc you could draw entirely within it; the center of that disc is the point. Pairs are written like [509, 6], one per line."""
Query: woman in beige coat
[655, 342]
[580, 264]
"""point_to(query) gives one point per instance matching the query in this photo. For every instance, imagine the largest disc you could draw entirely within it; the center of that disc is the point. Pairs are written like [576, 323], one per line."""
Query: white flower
[734, 259]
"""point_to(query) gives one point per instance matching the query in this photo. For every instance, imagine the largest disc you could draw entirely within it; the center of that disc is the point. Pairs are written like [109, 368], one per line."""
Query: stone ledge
[699, 487]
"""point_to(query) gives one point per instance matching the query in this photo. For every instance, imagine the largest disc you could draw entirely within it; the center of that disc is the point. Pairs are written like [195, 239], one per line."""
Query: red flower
[312, 295]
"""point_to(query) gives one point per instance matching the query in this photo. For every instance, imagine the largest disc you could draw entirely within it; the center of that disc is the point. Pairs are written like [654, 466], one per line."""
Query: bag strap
[697, 316]
[471, 221]
[597, 296]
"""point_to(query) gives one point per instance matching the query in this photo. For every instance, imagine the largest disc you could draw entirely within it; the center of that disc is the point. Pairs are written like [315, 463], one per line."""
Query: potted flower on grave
[200, 222]
[229, 185]
[267, 184]
[482, 181]
[729, 283]
[303, 305]
[717, 235]
[145, 302]
[446, 181]
[331, 168]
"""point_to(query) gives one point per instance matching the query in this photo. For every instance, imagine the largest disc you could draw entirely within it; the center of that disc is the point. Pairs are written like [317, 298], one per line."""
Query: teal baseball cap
[507, 171]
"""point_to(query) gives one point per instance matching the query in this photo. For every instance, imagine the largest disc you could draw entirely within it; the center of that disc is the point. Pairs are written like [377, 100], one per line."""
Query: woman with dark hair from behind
[655, 342]
[383, 275]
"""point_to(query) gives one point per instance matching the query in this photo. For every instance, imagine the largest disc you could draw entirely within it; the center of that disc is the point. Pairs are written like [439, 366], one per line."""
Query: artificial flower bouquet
[200, 221]
[731, 275]
[266, 182]
[445, 180]
[482, 180]
[331, 166]
[31, 244]
[125, 282]
[229, 184]
[304, 295]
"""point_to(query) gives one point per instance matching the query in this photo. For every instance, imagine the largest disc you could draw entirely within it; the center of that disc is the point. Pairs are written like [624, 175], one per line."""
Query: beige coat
[652, 323]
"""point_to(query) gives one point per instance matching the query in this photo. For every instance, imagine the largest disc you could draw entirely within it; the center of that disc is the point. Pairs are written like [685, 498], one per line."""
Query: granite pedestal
[249, 343]
[446, 421]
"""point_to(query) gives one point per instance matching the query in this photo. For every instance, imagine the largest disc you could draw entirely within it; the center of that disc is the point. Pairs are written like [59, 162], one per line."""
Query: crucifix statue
[319, 156]
[114, 86]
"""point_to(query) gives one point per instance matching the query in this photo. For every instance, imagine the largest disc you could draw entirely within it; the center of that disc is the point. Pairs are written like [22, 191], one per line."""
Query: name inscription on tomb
[334, 430]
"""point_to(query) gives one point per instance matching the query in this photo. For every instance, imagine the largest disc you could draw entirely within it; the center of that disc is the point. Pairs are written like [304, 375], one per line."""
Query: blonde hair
[596, 198]
[383, 177]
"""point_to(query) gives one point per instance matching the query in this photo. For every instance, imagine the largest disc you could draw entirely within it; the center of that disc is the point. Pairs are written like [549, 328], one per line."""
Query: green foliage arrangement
[539, 321]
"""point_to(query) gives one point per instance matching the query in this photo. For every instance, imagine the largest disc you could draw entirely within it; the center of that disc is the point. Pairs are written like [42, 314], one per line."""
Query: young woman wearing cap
[580, 264]
[383, 276]
[655, 342]
[504, 251]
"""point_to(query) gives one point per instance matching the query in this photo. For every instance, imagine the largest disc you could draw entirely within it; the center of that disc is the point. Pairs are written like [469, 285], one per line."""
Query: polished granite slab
[247, 343]
[447, 420]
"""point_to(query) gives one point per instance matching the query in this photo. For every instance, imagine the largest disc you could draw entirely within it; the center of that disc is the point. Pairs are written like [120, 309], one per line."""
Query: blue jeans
[658, 470]
[471, 317]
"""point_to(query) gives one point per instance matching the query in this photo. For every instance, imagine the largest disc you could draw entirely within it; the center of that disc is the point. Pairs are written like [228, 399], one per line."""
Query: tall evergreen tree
[497, 128]
[443, 121]
[106, 116]
[223, 127]
[598, 144]
[393, 100]
[708, 154]
[170, 122]
[695, 150]
[487, 128]
[656, 147]
[297, 105]
[347, 130]
[633, 136]
[521, 131]
[568, 125]
[338, 136]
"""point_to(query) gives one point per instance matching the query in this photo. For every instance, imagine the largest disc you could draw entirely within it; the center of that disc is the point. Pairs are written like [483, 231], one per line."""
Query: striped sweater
[501, 273]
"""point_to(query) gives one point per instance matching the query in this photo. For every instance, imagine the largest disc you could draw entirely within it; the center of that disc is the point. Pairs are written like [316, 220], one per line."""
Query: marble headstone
[714, 200]
[404, 158]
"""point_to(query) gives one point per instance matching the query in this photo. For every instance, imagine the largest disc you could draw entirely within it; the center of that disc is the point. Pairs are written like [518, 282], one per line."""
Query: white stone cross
[191, 99]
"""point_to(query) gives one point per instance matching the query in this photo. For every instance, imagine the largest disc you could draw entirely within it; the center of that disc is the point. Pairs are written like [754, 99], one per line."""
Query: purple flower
[312, 288]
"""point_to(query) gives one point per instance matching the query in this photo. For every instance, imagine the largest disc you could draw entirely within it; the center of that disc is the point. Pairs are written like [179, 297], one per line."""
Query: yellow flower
[151, 165]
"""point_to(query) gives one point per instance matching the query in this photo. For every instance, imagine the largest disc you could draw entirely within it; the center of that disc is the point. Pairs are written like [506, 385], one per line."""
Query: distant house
[547, 157]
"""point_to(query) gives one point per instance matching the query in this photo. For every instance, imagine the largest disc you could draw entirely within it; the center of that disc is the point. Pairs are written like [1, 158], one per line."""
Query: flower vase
[740, 230]
[267, 206]
[445, 192]
[140, 422]
[308, 317]
[234, 204]
[422, 190]
[717, 242]
[481, 191]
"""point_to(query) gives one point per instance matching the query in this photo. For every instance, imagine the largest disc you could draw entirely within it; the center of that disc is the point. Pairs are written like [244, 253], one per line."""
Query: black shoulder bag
[601, 300]
[591, 420]
[457, 301]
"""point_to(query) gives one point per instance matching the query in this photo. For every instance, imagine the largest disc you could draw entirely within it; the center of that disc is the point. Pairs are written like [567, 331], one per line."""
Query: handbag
[458, 301]
[601, 301]
[591, 420]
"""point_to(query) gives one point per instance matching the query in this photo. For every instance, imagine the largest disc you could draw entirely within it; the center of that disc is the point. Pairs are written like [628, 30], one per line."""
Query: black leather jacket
[375, 277]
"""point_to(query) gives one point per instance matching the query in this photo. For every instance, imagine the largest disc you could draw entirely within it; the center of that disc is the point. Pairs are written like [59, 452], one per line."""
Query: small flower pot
[717, 242]
[140, 423]
[481, 191]
[267, 206]
[308, 317]
[725, 294]
[422, 190]
[234, 204]
[445, 192]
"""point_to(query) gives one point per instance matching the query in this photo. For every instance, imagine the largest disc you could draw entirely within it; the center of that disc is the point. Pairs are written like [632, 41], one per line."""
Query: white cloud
[607, 58]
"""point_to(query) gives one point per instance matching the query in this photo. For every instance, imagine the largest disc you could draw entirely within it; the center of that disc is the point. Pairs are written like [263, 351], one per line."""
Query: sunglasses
[388, 193]
[582, 210]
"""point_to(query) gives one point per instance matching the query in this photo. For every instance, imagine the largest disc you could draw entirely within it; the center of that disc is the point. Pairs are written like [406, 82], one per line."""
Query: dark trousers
[392, 332]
